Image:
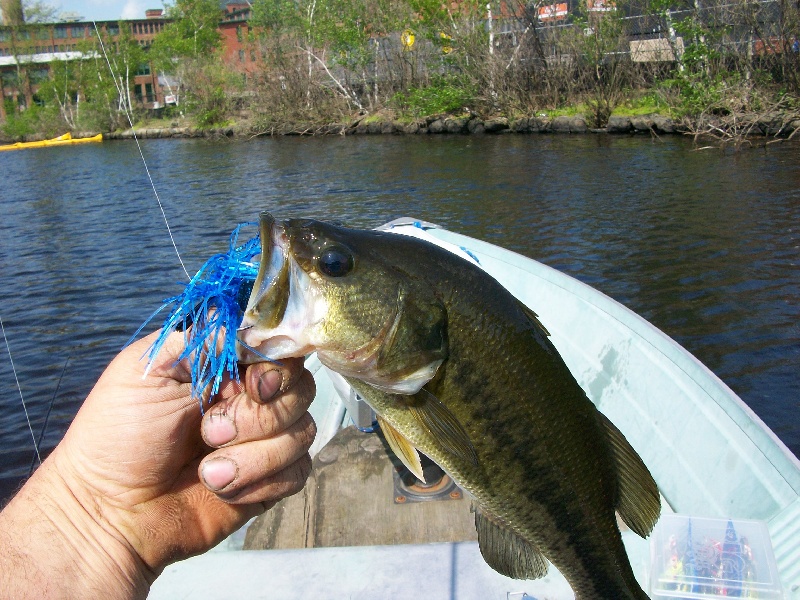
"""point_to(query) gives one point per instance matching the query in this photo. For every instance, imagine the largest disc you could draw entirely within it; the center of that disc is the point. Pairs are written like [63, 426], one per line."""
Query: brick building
[238, 50]
[33, 47]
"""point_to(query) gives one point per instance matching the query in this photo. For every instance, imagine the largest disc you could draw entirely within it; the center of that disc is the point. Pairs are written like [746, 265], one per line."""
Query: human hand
[149, 480]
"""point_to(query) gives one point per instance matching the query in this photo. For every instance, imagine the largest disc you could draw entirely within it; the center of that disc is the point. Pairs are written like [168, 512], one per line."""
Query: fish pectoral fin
[402, 448]
[638, 500]
[442, 426]
[506, 551]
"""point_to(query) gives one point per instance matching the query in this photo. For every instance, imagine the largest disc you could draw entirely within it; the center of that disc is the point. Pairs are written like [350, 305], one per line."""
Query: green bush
[35, 120]
[443, 95]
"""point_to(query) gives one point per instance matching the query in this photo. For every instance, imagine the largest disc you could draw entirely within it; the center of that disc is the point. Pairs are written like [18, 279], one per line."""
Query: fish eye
[335, 261]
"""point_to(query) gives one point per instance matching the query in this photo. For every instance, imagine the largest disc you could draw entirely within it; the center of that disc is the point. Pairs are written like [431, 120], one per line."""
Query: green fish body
[457, 368]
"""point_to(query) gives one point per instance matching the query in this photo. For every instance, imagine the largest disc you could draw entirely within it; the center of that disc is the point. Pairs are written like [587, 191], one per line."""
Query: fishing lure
[209, 311]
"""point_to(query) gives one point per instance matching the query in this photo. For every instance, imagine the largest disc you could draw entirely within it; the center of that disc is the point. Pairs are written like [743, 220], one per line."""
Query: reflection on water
[702, 244]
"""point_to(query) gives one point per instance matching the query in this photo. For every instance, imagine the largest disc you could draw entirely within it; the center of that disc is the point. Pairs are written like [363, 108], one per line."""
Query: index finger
[266, 380]
[239, 419]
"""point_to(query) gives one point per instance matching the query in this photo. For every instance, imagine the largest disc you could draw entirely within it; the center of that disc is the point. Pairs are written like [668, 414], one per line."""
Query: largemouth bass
[457, 368]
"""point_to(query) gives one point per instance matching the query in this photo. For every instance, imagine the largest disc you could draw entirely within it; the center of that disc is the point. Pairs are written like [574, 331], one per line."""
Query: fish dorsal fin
[442, 426]
[402, 448]
[533, 317]
[505, 551]
[638, 500]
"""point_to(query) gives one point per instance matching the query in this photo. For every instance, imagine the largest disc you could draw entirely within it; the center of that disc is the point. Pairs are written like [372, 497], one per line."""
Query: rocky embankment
[775, 125]
[440, 124]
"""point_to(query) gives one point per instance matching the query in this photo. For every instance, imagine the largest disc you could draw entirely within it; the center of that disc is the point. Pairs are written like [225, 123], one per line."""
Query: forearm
[51, 547]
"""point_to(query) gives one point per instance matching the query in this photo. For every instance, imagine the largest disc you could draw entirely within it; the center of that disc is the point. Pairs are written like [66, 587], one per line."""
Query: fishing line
[144, 162]
[47, 415]
[21, 396]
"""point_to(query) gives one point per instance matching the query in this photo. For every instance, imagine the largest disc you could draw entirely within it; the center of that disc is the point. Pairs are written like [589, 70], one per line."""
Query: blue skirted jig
[209, 311]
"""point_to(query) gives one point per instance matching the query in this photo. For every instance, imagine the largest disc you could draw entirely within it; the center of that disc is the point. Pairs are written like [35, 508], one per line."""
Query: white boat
[710, 454]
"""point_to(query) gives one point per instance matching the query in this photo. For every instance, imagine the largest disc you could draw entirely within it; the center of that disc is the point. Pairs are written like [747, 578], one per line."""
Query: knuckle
[296, 476]
[307, 431]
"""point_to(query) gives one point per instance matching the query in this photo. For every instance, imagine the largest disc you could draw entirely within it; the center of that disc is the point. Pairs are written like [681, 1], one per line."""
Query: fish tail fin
[507, 552]
[638, 500]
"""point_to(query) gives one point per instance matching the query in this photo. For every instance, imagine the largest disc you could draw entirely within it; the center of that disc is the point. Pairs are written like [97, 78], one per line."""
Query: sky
[106, 10]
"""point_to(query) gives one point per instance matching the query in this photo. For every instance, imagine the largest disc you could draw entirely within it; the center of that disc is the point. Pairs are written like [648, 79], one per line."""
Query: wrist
[62, 548]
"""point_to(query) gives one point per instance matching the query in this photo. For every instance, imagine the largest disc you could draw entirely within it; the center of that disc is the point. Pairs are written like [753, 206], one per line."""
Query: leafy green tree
[193, 32]
[187, 48]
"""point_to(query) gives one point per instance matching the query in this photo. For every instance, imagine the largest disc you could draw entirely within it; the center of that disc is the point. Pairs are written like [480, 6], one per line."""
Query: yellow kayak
[62, 140]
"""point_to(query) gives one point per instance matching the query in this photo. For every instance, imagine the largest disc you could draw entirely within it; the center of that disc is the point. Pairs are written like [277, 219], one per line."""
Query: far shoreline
[777, 126]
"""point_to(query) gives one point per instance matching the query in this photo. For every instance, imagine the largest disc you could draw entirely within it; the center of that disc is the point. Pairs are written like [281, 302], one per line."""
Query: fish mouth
[270, 292]
[281, 305]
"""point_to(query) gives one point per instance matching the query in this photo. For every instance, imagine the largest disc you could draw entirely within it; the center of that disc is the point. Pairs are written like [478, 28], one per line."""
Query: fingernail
[219, 473]
[269, 384]
[219, 429]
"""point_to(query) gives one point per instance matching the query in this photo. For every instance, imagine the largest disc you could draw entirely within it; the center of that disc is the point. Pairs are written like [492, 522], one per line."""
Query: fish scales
[464, 373]
[516, 439]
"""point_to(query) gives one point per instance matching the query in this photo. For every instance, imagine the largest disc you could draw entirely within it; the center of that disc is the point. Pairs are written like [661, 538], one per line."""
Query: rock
[577, 124]
[476, 127]
[521, 125]
[617, 124]
[495, 125]
[642, 123]
[413, 127]
[456, 125]
[663, 124]
[560, 124]
[541, 124]
[437, 126]
[771, 124]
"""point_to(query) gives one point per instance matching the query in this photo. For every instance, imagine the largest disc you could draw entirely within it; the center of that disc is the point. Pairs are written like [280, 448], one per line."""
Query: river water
[703, 244]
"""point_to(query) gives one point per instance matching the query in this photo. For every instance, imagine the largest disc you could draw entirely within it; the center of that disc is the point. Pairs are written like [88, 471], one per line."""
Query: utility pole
[12, 12]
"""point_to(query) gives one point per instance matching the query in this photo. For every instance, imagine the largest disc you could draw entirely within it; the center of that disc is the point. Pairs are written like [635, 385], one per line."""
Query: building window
[60, 32]
[10, 78]
[241, 55]
[42, 34]
[144, 69]
[4, 35]
[148, 90]
[113, 29]
[38, 75]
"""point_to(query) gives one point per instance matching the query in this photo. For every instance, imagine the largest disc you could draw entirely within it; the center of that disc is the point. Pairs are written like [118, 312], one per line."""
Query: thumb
[152, 357]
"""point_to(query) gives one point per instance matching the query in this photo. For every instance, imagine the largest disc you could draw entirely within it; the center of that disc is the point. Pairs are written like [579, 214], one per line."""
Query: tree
[13, 14]
[187, 48]
[37, 11]
[192, 33]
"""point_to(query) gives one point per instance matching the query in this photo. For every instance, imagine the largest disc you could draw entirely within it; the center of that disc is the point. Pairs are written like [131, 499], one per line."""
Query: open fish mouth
[283, 305]
[270, 292]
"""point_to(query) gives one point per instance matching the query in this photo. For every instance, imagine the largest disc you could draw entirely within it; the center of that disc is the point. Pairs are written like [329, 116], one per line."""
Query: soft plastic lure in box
[209, 312]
